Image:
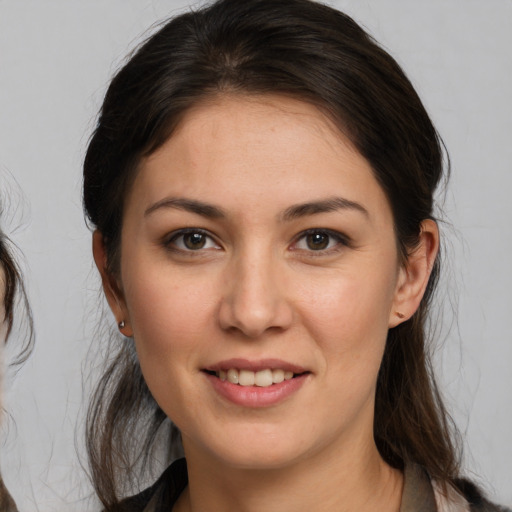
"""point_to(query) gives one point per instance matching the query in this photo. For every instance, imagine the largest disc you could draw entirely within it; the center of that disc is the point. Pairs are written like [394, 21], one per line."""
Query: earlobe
[414, 274]
[111, 288]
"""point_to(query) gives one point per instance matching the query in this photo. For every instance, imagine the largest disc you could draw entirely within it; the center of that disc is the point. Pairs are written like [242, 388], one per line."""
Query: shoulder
[162, 494]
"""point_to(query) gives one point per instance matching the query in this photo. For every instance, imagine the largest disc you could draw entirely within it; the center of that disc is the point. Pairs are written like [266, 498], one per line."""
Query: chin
[259, 460]
[258, 449]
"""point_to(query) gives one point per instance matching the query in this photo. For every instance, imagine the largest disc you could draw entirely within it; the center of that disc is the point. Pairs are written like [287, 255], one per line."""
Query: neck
[333, 482]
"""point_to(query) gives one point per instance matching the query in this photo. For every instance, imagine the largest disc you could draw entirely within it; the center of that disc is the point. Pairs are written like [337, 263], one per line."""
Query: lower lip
[255, 396]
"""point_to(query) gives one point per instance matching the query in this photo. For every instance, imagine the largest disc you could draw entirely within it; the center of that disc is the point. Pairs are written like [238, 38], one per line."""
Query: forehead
[252, 122]
[245, 147]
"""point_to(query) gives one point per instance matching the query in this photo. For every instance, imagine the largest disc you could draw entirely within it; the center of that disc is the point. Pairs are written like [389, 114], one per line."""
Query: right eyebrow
[330, 204]
[189, 205]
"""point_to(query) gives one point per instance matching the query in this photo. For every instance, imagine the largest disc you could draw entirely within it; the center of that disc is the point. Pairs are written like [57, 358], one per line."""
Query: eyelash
[340, 240]
[170, 241]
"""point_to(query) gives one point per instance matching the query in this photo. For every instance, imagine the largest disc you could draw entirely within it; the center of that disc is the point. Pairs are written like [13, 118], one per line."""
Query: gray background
[56, 57]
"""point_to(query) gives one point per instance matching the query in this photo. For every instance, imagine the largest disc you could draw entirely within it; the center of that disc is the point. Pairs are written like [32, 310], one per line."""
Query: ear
[111, 286]
[414, 274]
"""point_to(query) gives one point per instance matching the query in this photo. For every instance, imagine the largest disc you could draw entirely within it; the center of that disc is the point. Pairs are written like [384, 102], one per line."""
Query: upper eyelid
[170, 237]
[333, 233]
[185, 231]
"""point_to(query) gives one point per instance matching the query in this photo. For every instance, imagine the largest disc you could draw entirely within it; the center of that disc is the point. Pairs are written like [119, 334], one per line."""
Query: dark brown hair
[304, 50]
[13, 290]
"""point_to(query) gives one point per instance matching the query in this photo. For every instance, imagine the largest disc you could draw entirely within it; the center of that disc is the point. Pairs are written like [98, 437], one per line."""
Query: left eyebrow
[189, 205]
[330, 204]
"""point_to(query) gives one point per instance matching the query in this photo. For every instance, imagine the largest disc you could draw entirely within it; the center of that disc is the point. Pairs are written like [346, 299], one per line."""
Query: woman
[261, 185]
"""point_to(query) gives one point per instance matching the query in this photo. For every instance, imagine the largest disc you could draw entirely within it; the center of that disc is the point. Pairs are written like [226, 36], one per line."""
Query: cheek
[348, 315]
[170, 313]
[170, 321]
[349, 321]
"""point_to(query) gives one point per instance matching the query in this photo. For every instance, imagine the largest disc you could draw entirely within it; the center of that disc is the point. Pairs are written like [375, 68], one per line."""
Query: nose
[254, 301]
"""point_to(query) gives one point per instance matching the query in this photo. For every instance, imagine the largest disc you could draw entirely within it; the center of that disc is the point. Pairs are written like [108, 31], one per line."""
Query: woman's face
[257, 243]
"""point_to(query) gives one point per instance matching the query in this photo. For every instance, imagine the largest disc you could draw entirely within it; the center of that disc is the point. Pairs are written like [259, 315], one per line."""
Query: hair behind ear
[411, 423]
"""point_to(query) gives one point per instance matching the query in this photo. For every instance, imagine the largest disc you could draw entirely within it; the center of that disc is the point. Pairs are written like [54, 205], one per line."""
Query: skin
[260, 289]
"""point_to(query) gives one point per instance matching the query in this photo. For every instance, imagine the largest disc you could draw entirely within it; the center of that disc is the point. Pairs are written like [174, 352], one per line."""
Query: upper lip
[255, 366]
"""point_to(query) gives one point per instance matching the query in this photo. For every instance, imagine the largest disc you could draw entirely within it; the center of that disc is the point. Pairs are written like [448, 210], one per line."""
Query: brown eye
[191, 240]
[317, 241]
[320, 242]
[194, 241]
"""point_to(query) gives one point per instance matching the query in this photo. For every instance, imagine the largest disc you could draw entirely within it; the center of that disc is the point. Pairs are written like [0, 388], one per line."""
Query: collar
[418, 495]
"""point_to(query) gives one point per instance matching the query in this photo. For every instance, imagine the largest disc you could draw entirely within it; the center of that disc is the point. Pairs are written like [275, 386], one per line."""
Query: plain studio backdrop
[56, 58]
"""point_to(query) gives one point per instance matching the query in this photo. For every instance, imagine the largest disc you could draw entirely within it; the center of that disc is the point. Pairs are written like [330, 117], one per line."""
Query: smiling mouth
[262, 378]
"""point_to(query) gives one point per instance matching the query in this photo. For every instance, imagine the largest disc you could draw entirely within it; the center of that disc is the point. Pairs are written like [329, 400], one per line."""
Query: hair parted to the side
[307, 51]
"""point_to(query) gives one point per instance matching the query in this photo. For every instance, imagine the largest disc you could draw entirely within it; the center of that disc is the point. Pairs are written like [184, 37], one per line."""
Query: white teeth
[246, 378]
[232, 376]
[277, 376]
[263, 378]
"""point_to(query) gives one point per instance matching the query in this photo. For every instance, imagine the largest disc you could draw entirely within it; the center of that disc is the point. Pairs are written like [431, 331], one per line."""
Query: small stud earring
[121, 324]
[399, 315]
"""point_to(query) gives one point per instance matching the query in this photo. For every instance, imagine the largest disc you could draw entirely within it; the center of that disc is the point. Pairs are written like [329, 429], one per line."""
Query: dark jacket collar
[418, 495]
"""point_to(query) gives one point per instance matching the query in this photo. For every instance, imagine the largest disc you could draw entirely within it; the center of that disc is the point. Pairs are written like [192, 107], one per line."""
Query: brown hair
[13, 288]
[304, 50]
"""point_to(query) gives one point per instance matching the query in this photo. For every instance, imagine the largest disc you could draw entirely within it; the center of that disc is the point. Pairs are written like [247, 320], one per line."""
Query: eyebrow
[331, 204]
[189, 205]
